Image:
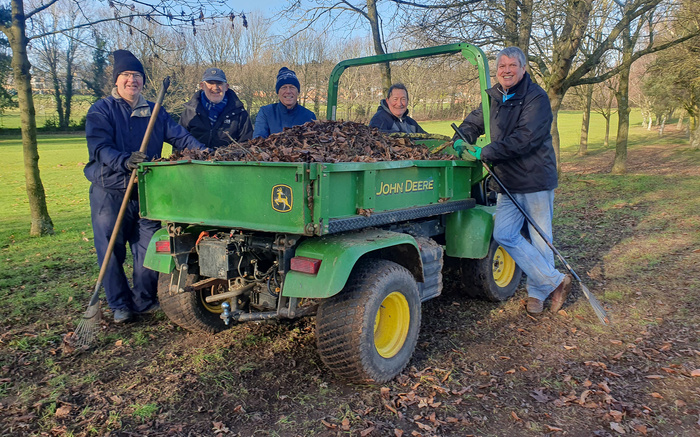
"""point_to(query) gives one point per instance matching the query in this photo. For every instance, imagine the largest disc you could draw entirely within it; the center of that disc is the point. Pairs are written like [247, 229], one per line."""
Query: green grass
[45, 107]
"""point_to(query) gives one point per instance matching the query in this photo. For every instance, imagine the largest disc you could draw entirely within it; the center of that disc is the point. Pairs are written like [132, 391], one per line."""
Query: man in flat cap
[215, 115]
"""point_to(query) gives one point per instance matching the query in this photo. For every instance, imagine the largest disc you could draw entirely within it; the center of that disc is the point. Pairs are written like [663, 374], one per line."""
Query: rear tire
[368, 332]
[188, 309]
[494, 278]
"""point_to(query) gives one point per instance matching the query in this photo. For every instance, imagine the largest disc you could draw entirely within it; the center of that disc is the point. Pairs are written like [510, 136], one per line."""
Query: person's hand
[474, 151]
[133, 162]
[459, 146]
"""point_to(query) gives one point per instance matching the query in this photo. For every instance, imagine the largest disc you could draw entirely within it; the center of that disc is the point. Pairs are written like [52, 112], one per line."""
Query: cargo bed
[303, 198]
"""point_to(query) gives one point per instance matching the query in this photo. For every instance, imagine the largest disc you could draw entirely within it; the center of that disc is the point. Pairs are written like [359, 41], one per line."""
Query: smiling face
[214, 90]
[509, 72]
[129, 85]
[288, 95]
[397, 102]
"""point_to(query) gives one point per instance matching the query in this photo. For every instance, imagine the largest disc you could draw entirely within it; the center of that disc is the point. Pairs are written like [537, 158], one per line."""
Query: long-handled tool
[597, 307]
[85, 332]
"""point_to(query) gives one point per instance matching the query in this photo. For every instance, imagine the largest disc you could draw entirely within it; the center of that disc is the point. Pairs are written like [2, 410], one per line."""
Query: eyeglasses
[131, 75]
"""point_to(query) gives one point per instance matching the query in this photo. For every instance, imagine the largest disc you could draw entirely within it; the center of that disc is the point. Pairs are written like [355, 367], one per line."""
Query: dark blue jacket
[387, 122]
[275, 117]
[113, 130]
[521, 142]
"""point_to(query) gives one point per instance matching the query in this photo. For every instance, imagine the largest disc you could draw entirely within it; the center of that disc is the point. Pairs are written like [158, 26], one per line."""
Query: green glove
[459, 146]
[475, 151]
[466, 155]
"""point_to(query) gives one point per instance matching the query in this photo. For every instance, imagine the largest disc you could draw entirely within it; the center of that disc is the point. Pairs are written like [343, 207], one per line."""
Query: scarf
[214, 109]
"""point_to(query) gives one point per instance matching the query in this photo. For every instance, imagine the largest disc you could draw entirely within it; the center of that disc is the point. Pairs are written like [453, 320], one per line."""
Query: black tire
[368, 332]
[494, 278]
[189, 309]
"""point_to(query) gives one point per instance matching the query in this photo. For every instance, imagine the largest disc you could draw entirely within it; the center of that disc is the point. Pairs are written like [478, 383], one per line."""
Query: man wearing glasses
[115, 127]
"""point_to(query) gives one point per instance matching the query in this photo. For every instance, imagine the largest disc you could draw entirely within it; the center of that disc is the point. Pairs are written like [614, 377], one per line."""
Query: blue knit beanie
[124, 60]
[286, 77]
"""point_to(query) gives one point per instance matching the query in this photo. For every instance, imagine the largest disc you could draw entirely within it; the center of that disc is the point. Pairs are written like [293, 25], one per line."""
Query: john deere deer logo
[282, 200]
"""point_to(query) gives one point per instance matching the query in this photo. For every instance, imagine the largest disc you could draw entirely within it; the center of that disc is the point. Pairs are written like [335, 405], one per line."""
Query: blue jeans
[535, 258]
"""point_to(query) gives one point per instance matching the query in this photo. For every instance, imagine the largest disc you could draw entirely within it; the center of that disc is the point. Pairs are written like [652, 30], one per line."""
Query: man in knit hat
[285, 113]
[215, 115]
[114, 128]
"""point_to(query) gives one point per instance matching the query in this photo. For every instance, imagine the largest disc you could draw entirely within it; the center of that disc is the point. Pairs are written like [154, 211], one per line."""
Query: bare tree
[13, 24]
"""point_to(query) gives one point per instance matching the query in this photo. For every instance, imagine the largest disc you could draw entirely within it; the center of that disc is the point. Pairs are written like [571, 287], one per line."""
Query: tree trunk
[69, 84]
[555, 101]
[606, 141]
[586, 121]
[694, 129]
[623, 115]
[385, 68]
[57, 94]
[662, 124]
[41, 221]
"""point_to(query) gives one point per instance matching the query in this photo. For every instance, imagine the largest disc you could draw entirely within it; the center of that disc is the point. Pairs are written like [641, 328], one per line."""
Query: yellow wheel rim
[391, 324]
[211, 291]
[503, 267]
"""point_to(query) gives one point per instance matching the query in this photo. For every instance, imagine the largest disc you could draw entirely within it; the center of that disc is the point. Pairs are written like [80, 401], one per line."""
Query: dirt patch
[479, 368]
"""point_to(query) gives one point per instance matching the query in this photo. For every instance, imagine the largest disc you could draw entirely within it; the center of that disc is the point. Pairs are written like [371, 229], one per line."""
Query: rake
[87, 328]
[597, 307]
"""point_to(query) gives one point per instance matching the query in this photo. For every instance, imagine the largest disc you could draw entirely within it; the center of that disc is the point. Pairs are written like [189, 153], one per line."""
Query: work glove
[474, 151]
[133, 162]
[459, 146]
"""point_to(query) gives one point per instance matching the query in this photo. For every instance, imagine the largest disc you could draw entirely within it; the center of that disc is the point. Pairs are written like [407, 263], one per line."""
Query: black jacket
[521, 142]
[385, 121]
[233, 120]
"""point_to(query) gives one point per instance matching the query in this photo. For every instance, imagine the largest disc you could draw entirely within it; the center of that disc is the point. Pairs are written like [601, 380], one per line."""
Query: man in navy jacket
[392, 114]
[523, 158]
[285, 113]
[114, 128]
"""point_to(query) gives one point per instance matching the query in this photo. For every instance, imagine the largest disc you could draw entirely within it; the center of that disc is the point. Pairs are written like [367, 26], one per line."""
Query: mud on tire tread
[345, 323]
[185, 309]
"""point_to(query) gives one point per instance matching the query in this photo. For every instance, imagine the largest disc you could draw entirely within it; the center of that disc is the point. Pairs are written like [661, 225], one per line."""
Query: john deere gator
[359, 246]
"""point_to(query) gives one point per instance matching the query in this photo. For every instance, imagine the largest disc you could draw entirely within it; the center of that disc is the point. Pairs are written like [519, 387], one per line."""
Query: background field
[479, 368]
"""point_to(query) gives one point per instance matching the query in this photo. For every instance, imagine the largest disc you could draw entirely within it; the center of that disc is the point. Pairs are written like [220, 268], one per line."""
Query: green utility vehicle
[358, 245]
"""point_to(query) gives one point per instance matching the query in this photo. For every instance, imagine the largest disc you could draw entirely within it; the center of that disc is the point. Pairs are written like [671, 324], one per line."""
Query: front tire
[188, 309]
[494, 278]
[368, 332]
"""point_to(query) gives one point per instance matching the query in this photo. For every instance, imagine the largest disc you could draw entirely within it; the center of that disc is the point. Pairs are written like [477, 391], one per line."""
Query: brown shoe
[534, 305]
[560, 293]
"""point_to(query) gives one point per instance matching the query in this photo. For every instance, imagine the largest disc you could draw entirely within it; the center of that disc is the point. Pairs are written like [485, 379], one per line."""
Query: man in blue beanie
[285, 113]
[114, 129]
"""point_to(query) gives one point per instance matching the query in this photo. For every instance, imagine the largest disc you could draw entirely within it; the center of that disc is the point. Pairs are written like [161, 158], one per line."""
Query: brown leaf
[329, 425]
[640, 429]
[616, 427]
[539, 395]
[604, 386]
[553, 428]
[366, 432]
[680, 403]
[384, 392]
[398, 432]
[695, 373]
[656, 395]
[515, 417]
[345, 424]
[62, 411]
[654, 377]
[584, 395]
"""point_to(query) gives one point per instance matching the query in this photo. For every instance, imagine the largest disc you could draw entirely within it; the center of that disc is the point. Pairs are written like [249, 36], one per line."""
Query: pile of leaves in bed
[320, 141]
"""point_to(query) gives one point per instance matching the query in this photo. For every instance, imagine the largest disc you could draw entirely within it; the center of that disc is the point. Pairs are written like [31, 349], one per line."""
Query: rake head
[87, 328]
[595, 304]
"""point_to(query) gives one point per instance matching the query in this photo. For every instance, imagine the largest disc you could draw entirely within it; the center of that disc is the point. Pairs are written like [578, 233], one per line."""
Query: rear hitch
[226, 315]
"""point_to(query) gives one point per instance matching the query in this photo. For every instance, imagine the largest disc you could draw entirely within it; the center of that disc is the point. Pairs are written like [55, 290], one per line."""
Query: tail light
[163, 246]
[305, 265]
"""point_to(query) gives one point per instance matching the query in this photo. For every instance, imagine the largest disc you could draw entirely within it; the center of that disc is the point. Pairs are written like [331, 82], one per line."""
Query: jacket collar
[141, 109]
[520, 89]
